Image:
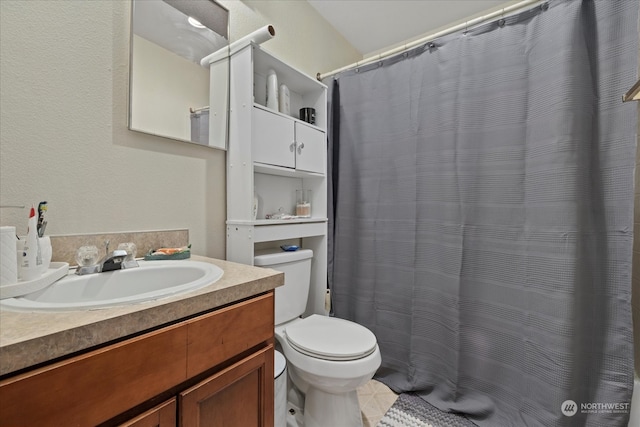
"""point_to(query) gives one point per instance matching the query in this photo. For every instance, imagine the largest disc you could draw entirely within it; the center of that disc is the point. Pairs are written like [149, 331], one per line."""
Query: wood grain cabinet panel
[220, 335]
[163, 415]
[108, 384]
[94, 387]
[238, 396]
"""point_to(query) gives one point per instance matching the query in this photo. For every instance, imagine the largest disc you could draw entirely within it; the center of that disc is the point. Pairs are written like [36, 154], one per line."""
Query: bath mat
[410, 410]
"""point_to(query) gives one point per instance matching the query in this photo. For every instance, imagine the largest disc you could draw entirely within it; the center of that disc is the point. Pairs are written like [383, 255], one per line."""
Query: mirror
[170, 93]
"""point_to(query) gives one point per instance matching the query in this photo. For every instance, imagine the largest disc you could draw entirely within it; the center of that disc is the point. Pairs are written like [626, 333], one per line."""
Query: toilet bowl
[327, 358]
[328, 375]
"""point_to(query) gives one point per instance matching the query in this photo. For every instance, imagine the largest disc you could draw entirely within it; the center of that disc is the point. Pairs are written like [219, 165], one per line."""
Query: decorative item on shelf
[162, 254]
[308, 115]
[255, 206]
[303, 204]
[272, 90]
[280, 215]
[284, 100]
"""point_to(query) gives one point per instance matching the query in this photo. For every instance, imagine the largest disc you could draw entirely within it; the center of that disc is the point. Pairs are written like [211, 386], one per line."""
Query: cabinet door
[272, 139]
[238, 396]
[311, 151]
[163, 415]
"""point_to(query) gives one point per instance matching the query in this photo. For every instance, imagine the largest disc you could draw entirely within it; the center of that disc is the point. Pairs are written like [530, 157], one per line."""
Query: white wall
[303, 38]
[63, 119]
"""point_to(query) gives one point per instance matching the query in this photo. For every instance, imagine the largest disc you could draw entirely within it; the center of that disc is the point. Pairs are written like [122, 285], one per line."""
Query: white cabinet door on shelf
[283, 141]
[311, 153]
[273, 139]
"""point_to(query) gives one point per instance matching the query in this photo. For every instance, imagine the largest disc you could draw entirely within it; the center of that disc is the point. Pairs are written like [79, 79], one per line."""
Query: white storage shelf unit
[273, 154]
[304, 91]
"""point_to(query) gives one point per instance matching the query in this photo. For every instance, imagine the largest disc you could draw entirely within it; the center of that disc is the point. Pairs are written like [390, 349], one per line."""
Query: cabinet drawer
[91, 388]
[220, 335]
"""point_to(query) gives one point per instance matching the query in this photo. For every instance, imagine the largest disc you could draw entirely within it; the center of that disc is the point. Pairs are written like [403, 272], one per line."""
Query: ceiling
[372, 26]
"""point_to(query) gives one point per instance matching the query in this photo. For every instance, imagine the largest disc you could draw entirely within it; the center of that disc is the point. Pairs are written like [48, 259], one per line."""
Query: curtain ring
[501, 23]
[432, 45]
[544, 6]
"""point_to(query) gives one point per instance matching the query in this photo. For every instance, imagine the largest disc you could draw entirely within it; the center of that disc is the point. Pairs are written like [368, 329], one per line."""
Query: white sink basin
[150, 281]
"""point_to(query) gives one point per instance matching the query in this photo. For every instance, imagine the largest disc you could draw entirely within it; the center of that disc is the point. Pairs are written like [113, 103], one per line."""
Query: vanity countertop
[28, 339]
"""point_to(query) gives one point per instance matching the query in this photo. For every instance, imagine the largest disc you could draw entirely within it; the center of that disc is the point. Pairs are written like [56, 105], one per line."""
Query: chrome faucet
[116, 260]
[113, 261]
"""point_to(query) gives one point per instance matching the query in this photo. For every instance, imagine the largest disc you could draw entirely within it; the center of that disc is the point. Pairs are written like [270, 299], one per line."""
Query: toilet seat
[329, 338]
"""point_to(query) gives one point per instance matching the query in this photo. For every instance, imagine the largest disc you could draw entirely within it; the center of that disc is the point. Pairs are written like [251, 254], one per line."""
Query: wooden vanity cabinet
[163, 415]
[238, 396]
[218, 366]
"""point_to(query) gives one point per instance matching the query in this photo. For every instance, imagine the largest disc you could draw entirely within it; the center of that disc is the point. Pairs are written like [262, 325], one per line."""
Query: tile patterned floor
[375, 400]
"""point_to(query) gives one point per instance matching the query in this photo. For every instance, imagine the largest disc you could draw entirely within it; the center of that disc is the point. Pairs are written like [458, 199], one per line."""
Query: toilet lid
[330, 338]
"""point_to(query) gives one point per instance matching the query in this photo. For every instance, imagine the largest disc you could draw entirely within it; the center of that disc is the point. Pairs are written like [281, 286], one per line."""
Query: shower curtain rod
[465, 25]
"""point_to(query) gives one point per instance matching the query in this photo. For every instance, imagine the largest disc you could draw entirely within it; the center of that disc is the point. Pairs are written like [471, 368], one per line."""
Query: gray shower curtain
[482, 215]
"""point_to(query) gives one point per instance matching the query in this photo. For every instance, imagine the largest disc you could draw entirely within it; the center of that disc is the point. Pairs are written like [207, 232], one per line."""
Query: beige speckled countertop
[27, 339]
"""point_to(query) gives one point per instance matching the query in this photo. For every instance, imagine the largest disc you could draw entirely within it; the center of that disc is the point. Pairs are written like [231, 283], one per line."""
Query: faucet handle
[131, 249]
[87, 259]
[87, 255]
[118, 253]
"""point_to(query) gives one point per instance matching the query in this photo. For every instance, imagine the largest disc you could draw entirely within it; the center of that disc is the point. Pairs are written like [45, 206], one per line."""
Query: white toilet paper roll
[8, 256]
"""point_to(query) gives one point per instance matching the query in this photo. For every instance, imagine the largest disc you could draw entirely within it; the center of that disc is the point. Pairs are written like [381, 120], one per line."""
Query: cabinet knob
[300, 147]
[292, 147]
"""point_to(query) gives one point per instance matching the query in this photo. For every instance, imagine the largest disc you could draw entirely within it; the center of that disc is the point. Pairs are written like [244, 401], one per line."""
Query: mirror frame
[217, 139]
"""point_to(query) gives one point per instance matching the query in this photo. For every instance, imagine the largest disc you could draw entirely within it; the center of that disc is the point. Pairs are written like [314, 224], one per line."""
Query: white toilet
[327, 358]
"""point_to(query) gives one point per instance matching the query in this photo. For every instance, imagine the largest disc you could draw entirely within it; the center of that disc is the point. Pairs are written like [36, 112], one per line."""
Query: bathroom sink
[150, 281]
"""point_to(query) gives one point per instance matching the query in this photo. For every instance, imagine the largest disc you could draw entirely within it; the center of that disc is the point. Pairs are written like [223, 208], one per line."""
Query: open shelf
[261, 222]
[262, 107]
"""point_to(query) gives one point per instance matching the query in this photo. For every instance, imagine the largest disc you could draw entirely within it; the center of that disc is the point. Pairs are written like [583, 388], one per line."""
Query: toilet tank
[291, 299]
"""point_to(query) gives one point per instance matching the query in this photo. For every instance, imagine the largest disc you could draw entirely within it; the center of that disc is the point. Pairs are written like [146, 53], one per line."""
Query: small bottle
[272, 90]
[284, 100]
